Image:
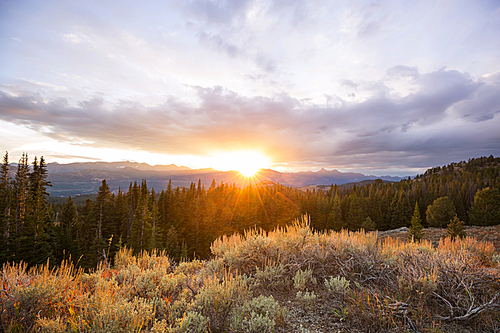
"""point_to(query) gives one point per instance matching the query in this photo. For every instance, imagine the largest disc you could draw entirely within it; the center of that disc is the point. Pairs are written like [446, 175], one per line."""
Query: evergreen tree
[486, 207]
[335, 221]
[86, 235]
[6, 228]
[355, 216]
[21, 185]
[68, 231]
[456, 228]
[141, 228]
[36, 247]
[416, 227]
[156, 231]
[101, 222]
[400, 210]
[440, 212]
[368, 224]
[172, 244]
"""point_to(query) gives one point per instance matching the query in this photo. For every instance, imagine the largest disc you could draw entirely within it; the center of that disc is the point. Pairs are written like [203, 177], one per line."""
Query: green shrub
[260, 314]
[303, 278]
[217, 299]
[337, 285]
[273, 278]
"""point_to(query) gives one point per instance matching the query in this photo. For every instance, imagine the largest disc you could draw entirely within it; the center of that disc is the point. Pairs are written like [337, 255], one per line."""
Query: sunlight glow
[247, 162]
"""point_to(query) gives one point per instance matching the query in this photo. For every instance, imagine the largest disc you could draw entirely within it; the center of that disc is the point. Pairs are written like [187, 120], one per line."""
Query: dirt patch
[489, 234]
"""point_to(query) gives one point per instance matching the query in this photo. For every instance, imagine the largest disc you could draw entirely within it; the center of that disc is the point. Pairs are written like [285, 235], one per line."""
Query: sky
[389, 87]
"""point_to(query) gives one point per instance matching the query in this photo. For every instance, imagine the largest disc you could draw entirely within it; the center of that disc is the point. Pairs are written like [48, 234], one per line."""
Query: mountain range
[86, 177]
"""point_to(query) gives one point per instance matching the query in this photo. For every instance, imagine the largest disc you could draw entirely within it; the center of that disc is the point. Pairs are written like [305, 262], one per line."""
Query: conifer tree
[416, 227]
[120, 216]
[172, 244]
[68, 231]
[141, 227]
[440, 212]
[36, 245]
[5, 211]
[101, 221]
[21, 185]
[456, 228]
[156, 231]
[86, 235]
[355, 215]
[486, 207]
[368, 224]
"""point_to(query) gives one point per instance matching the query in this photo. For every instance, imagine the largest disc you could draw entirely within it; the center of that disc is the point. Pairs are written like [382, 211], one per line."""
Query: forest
[185, 221]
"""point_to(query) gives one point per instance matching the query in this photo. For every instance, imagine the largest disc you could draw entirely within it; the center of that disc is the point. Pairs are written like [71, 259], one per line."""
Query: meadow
[291, 279]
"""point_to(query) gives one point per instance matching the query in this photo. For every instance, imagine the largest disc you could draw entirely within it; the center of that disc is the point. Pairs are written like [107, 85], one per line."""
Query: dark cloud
[382, 131]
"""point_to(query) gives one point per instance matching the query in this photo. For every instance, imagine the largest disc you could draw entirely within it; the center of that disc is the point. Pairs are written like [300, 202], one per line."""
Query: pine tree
[20, 187]
[172, 244]
[368, 224]
[335, 221]
[5, 211]
[355, 215]
[156, 231]
[486, 207]
[36, 245]
[86, 235]
[141, 227]
[440, 212]
[101, 221]
[416, 227]
[456, 228]
[68, 231]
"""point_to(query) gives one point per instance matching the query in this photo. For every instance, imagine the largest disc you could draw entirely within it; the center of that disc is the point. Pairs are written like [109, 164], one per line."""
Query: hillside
[289, 280]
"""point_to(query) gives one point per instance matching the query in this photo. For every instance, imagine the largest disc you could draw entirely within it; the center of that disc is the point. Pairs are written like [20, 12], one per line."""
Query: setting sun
[247, 162]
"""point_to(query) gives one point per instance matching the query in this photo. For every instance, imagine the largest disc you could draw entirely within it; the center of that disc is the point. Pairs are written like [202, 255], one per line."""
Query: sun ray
[247, 162]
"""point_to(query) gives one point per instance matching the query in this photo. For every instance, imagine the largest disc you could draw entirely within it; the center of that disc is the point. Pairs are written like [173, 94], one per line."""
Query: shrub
[302, 279]
[259, 314]
[216, 300]
[337, 285]
[388, 285]
[273, 278]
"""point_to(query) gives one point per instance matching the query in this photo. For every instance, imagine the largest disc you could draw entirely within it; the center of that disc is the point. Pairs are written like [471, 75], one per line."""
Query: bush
[391, 285]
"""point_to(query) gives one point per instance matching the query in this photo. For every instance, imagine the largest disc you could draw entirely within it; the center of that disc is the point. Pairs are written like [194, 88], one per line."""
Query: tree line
[184, 221]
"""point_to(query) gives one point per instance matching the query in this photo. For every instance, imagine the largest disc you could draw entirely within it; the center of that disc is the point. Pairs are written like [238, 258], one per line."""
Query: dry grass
[266, 282]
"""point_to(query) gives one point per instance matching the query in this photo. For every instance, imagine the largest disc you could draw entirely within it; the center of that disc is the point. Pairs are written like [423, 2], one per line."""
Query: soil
[489, 234]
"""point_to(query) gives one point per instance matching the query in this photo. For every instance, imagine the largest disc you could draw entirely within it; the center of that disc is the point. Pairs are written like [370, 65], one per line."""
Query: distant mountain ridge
[86, 177]
[111, 166]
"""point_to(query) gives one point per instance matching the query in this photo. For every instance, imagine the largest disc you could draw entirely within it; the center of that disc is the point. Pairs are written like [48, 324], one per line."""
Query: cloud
[215, 12]
[403, 71]
[349, 84]
[217, 43]
[439, 119]
[72, 38]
